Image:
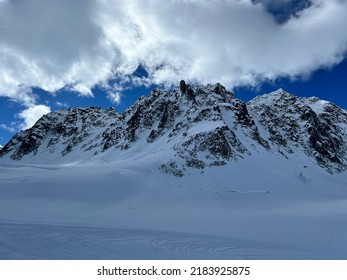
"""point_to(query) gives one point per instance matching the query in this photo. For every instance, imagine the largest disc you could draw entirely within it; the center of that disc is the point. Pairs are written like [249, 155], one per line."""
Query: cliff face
[291, 124]
[196, 127]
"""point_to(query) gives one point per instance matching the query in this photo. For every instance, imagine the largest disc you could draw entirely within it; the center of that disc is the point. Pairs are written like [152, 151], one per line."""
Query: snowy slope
[45, 241]
[283, 210]
[189, 174]
[190, 128]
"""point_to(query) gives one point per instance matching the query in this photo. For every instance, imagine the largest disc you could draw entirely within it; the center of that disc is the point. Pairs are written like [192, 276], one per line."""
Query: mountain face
[291, 124]
[191, 128]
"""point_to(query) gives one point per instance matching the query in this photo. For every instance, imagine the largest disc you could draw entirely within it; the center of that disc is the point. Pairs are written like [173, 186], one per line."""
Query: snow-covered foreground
[43, 241]
[259, 208]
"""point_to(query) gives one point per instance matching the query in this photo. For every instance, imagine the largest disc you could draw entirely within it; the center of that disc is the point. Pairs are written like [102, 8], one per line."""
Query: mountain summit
[191, 127]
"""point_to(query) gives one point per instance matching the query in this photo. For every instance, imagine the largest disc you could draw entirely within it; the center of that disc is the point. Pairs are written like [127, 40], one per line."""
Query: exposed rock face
[292, 124]
[61, 130]
[183, 86]
[198, 127]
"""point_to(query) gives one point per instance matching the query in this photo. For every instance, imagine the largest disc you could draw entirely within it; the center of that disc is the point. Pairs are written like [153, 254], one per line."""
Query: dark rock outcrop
[198, 127]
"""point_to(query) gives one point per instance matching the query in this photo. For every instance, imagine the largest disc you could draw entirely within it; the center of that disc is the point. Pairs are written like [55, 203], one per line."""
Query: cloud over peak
[32, 114]
[79, 44]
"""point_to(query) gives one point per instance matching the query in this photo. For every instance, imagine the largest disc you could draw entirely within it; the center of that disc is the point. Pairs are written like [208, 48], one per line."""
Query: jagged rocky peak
[196, 93]
[62, 129]
[278, 97]
[194, 127]
[183, 86]
[292, 124]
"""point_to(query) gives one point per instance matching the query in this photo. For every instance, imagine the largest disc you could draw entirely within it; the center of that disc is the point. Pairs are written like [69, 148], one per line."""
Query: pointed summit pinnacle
[183, 86]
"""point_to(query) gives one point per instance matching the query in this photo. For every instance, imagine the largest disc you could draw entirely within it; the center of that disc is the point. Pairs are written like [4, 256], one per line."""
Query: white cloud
[32, 114]
[79, 44]
[236, 42]
[50, 44]
[115, 97]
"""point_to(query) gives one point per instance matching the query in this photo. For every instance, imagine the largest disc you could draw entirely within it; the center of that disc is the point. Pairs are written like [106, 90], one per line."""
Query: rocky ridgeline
[199, 126]
[292, 124]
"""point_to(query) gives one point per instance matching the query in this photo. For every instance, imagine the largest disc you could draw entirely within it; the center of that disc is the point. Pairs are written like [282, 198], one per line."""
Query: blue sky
[326, 84]
[60, 54]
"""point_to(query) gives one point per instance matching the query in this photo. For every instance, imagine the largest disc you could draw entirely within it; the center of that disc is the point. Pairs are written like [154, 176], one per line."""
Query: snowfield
[263, 207]
[44, 241]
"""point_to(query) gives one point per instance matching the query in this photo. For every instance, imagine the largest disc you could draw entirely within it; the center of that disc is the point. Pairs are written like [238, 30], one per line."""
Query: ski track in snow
[44, 241]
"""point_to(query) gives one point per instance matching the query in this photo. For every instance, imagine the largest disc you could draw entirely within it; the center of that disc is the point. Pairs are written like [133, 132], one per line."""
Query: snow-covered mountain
[292, 124]
[191, 128]
[259, 180]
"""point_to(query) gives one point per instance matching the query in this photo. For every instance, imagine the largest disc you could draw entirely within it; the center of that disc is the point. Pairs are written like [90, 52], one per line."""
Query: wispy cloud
[114, 97]
[8, 128]
[62, 104]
